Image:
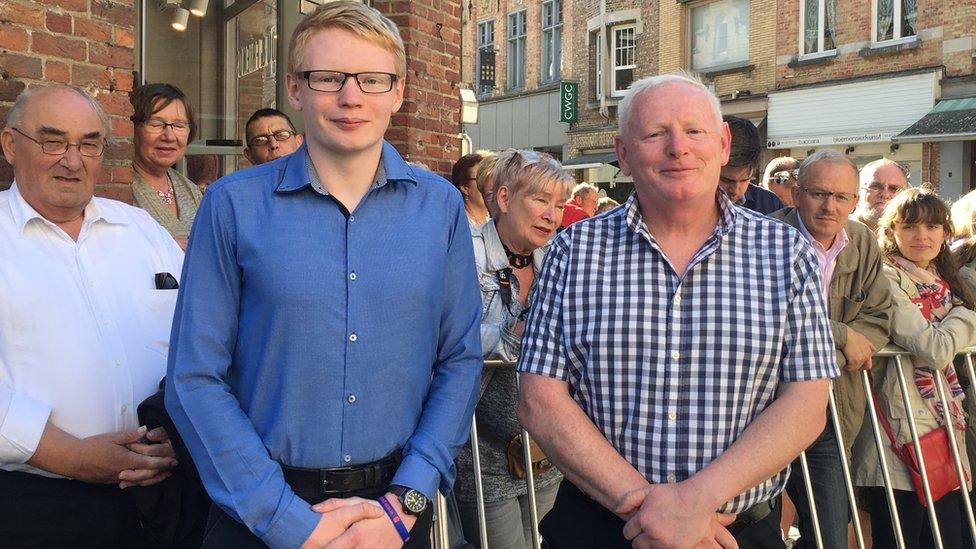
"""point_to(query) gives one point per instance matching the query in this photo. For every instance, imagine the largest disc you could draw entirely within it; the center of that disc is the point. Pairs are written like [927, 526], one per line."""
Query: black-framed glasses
[843, 199]
[155, 125]
[57, 147]
[332, 81]
[263, 140]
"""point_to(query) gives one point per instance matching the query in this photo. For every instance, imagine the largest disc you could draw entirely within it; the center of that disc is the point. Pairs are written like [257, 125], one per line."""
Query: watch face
[414, 501]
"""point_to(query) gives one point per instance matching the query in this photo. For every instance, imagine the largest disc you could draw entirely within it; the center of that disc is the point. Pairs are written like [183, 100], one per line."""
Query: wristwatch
[413, 502]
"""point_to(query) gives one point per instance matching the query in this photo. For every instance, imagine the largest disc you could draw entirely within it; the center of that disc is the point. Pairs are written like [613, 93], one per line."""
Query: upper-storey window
[485, 75]
[552, 40]
[719, 34]
[623, 57]
[818, 29]
[516, 50]
[894, 19]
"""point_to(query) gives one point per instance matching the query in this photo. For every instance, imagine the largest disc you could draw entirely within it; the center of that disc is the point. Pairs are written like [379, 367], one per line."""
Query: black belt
[752, 515]
[341, 481]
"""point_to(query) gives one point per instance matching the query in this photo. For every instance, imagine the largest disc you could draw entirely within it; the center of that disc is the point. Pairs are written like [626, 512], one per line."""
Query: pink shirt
[827, 258]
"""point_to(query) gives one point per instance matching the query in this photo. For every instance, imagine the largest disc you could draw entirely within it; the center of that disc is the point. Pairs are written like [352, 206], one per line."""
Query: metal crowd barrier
[439, 534]
[881, 442]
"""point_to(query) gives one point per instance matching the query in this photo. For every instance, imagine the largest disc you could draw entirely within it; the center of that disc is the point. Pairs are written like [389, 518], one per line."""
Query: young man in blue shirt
[326, 343]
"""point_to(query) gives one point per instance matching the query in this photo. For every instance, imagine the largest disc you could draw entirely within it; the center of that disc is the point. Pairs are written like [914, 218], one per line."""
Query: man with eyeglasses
[780, 177]
[269, 135]
[858, 300]
[880, 181]
[83, 333]
[738, 173]
[327, 351]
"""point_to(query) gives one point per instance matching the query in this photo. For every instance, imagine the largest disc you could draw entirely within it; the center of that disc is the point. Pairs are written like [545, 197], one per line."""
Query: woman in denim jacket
[531, 192]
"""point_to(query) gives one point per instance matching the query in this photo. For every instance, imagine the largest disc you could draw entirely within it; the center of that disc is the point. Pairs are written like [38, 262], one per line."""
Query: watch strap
[395, 519]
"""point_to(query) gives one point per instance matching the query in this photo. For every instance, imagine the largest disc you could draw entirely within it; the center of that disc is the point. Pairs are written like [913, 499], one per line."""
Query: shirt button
[352, 276]
[347, 458]
[353, 337]
[671, 477]
[672, 416]
[677, 299]
[352, 218]
[351, 399]
[124, 408]
[675, 355]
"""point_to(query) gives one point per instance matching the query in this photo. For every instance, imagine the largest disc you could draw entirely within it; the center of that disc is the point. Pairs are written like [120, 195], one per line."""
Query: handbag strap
[899, 450]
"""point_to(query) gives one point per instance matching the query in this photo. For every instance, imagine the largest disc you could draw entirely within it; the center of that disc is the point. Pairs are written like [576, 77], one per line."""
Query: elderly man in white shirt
[83, 333]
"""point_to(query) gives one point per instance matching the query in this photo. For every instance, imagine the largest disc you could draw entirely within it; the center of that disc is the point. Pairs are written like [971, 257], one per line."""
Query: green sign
[568, 102]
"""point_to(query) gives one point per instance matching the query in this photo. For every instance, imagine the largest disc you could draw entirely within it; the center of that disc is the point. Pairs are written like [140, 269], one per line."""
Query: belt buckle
[324, 478]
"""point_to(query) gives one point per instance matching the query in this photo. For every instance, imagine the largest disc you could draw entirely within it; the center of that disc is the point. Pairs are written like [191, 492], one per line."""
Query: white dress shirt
[83, 333]
[827, 258]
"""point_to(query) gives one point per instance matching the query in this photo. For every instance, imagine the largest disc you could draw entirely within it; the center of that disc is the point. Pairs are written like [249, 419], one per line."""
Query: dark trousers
[225, 532]
[915, 525]
[829, 493]
[38, 511]
[578, 522]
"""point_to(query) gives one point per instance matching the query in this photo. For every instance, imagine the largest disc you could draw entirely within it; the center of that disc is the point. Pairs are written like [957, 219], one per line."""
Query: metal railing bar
[885, 471]
[808, 486]
[845, 467]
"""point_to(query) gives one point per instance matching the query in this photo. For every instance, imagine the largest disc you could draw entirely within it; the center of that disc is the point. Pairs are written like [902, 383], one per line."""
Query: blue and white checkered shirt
[672, 370]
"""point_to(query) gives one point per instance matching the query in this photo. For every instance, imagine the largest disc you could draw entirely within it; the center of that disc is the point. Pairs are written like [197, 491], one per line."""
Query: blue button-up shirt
[313, 337]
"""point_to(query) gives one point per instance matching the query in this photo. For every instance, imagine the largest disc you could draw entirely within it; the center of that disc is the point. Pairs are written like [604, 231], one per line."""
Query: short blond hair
[355, 17]
[964, 215]
[529, 172]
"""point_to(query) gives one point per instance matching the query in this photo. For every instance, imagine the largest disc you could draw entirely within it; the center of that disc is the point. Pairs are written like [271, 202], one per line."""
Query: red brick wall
[84, 42]
[425, 130]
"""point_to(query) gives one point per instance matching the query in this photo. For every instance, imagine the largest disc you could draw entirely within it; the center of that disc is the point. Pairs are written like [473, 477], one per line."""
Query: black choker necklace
[517, 261]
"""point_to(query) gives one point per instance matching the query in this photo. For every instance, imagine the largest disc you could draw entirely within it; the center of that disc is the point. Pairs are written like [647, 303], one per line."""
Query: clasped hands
[673, 516]
[356, 522]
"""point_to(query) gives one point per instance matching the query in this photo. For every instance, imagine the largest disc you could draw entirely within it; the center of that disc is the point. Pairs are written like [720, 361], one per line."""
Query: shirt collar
[839, 241]
[726, 218]
[496, 258]
[295, 174]
[23, 213]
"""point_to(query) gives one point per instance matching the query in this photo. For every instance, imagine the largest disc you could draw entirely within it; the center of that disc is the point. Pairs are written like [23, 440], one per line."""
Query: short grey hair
[648, 83]
[829, 156]
[867, 172]
[584, 189]
[16, 115]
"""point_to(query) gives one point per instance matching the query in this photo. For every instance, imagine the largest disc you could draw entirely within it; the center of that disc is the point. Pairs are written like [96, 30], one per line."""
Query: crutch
[933, 519]
[845, 467]
[947, 417]
[879, 443]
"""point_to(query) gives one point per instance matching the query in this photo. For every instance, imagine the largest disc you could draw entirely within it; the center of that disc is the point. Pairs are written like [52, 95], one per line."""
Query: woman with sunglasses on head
[933, 319]
[164, 124]
[531, 192]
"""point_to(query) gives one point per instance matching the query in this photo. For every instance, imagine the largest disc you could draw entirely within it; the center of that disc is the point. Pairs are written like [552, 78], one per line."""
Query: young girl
[933, 319]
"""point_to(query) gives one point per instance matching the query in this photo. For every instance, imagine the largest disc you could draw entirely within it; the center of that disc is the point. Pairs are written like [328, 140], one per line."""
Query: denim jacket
[497, 319]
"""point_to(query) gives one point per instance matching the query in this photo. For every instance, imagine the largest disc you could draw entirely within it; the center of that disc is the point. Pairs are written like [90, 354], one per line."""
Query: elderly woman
[933, 318]
[164, 124]
[532, 190]
[464, 176]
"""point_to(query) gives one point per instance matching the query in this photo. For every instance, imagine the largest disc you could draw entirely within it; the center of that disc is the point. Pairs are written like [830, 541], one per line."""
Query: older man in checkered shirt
[678, 352]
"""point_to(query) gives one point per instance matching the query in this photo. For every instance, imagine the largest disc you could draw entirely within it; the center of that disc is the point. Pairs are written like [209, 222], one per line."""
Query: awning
[950, 120]
[591, 160]
[849, 113]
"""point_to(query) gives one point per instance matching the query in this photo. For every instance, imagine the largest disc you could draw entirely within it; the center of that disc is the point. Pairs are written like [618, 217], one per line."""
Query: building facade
[862, 77]
[516, 57]
[230, 61]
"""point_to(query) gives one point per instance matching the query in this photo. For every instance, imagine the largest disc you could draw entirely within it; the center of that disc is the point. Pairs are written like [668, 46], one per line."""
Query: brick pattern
[88, 43]
[425, 130]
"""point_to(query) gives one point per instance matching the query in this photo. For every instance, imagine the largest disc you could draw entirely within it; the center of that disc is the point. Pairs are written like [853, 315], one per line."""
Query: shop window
[818, 29]
[516, 50]
[552, 40]
[624, 50]
[895, 19]
[485, 74]
[720, 35]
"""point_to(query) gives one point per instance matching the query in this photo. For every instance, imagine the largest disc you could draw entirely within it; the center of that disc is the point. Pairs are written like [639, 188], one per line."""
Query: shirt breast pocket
[155, 318]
